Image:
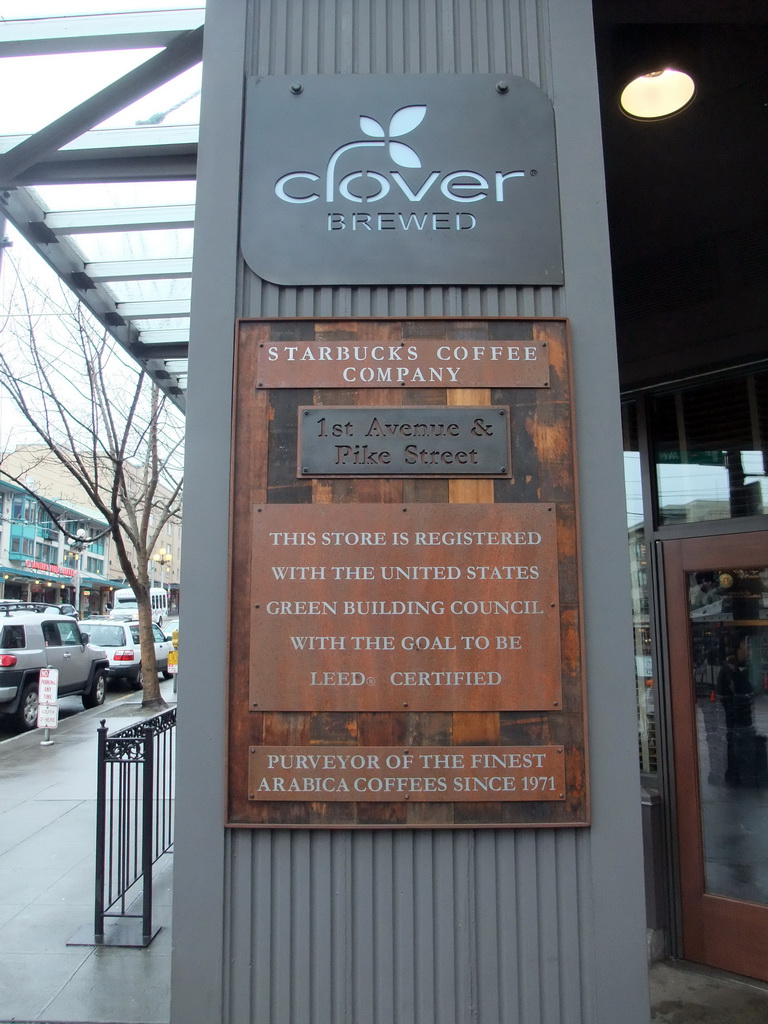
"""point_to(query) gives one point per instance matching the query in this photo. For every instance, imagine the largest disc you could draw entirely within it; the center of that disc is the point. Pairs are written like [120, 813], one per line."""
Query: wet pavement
[47, 832]
[47, 837]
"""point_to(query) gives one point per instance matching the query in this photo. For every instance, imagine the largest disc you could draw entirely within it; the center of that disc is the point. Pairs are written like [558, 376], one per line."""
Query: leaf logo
[402, 121]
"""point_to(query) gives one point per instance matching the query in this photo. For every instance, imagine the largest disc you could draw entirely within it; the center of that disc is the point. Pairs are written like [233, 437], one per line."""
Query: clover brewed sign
[400, 179]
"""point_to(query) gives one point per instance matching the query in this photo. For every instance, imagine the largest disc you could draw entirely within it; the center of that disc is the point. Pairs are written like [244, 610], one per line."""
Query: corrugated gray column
[412, 927]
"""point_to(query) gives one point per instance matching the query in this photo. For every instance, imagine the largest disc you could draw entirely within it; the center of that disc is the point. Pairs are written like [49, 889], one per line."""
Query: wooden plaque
[411, 632]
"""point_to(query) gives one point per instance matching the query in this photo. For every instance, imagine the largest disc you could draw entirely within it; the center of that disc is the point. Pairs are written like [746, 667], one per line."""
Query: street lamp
[79, 546]
[162, 558]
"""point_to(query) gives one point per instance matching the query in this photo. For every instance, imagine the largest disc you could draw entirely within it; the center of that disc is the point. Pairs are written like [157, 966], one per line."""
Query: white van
[124, 604]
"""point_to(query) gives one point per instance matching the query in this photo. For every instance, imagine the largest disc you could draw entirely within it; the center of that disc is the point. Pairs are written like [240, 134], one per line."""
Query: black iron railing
[134, 825]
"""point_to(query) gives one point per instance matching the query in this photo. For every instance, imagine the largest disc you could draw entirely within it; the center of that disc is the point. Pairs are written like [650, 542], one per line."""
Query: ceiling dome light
[657, 94]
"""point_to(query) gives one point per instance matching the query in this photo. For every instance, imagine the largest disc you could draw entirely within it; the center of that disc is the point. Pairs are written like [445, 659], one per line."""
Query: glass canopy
[98, 158]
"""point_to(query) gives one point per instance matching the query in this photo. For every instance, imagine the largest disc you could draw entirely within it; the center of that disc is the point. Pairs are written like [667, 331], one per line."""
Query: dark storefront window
[709, 447]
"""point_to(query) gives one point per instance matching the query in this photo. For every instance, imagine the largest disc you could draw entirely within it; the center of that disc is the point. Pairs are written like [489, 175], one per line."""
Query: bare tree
[103, 419]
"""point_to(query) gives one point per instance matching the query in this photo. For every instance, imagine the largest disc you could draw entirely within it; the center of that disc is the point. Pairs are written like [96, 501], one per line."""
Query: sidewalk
[47, 835]
[47, 827]
[684, 993]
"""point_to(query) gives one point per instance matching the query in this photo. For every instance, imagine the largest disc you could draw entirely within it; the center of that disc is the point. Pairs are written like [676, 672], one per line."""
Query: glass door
[717, 619]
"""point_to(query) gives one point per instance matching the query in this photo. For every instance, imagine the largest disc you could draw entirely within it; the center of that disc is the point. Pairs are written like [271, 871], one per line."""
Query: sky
[47, 86]
[14, 429]
[59, 8]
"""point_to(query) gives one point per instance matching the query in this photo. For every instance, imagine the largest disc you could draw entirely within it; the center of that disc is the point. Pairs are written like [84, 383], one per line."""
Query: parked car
[121, 641]
[35, 636]
[169, 626]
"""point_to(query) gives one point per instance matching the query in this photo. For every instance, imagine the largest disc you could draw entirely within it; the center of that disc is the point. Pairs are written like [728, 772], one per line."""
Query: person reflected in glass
[745, 749]
[705, 592]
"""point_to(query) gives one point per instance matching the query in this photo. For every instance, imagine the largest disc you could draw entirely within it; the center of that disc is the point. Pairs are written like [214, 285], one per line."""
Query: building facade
[32, 536]
[38, 562]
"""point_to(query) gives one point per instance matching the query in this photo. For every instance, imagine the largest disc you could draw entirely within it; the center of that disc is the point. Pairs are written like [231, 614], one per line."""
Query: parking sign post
[48, 707]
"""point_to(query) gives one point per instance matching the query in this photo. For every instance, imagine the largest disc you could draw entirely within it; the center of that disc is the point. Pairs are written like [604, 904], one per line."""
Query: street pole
[79, 546]
[77, 582]
[162, 558]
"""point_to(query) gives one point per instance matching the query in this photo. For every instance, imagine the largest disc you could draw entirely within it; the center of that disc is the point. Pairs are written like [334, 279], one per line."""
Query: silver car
[34, 636]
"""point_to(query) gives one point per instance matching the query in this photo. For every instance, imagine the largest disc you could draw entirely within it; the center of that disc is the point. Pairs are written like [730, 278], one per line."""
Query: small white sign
[47, 716]
[48, 695]
[48, 686]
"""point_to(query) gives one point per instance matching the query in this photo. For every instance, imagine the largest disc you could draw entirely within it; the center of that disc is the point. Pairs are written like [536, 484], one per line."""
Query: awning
[11, 572]
[87, 579]
[92, 579]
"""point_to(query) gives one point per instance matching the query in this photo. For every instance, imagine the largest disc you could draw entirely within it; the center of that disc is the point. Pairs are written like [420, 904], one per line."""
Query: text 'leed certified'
[421, 607]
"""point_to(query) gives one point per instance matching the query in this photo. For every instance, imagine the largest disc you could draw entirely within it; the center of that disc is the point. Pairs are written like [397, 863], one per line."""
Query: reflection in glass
[709, 444]
[639, 570]
[728, 613]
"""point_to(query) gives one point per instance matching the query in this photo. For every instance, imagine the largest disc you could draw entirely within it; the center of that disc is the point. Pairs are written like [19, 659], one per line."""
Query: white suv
[121, 641]
[35, 636]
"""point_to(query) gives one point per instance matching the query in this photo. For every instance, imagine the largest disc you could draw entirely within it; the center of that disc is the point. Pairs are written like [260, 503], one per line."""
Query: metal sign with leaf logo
[470, 198]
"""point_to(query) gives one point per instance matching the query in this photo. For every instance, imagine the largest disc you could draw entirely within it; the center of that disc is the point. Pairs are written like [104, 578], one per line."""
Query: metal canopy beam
[140, 270]
[84, 33]
[80, 222]
[147, 138]
[181, 54]
[69, 151]
[169, 349]
[159, 310]
[170, 344]
[64, 170]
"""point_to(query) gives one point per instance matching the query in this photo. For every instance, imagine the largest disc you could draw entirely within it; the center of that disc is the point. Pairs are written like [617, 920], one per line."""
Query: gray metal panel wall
[294, 927]
[398, 37]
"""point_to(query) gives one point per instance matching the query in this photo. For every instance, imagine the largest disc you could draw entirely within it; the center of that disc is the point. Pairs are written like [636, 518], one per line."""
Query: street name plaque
[413, 441]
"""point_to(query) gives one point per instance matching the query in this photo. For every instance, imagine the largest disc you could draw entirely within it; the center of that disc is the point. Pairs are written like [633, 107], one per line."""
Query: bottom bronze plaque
[406, 773]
